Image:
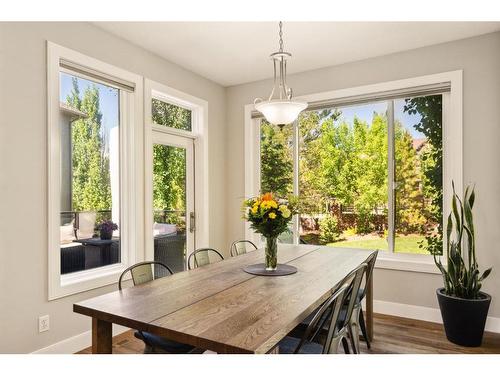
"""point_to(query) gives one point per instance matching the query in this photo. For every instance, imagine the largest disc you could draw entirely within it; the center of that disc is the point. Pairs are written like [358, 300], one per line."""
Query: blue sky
[108, 99]
[109, 105]
[365, 112]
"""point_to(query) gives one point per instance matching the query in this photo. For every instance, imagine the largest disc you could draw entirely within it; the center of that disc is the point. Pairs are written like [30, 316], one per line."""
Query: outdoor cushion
[160, 228]
[67, 233]
[86, 224]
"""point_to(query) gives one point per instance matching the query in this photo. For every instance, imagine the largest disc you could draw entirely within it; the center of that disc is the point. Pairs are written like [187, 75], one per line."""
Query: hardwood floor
[393, 335]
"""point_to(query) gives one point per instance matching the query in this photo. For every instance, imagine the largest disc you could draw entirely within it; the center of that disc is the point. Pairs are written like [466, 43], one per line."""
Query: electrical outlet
[43, 323]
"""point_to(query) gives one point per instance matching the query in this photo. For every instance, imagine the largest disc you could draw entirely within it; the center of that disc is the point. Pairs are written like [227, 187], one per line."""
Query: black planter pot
[464, 319]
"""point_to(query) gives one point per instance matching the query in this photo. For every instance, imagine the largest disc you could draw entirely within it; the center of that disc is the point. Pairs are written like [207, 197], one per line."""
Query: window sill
[90, 275]
[83, 281]
[406, 262]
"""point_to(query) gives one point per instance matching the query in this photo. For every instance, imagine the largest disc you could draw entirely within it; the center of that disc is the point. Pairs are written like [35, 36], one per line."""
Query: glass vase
[271, 253]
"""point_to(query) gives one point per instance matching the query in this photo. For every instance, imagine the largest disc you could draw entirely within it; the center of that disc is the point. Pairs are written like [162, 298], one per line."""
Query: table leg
[102, 335]
[369, 309]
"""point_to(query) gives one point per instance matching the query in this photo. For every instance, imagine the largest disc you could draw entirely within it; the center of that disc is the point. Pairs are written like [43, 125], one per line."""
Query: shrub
[329, 229]
[349, 232]
[364, 224]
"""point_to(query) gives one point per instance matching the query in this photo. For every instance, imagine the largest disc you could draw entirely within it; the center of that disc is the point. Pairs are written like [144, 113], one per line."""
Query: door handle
[192, 222]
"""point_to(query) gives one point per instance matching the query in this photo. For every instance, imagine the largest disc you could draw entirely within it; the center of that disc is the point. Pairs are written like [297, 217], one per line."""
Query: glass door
[173, 213]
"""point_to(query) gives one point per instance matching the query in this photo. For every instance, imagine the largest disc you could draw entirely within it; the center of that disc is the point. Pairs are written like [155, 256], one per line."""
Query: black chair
[324, 318]
[240, 247]
[343, 329]
[357, 319]
[141, 273]
[201, 257]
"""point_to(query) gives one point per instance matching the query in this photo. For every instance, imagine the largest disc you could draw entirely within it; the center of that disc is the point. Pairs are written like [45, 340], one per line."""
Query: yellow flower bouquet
[270, 216]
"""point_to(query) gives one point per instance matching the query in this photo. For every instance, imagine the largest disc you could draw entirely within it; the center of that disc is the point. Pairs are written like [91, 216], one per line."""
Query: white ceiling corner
[232, 53]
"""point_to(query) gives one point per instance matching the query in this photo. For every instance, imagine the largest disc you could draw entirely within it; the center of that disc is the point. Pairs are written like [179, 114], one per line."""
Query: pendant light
[280, 110]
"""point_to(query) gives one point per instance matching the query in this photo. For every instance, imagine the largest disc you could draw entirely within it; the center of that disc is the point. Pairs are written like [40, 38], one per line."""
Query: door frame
[199, 136]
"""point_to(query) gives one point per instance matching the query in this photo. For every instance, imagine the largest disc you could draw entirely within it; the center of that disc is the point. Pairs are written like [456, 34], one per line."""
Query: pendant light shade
[280, 110]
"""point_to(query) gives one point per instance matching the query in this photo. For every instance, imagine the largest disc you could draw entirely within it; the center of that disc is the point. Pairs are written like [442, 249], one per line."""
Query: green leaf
[485, 274]
[472, 198]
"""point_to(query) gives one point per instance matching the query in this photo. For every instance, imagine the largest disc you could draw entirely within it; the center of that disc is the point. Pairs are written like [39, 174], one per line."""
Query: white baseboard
[76, 343]
[428, 314]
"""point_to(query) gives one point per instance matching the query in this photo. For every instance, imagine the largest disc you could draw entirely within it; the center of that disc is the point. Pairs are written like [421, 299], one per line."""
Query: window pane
[343, 176]
[170, 115]
[169, 205]
[418, 174]
[90, 173]
[276, 164]
[276, 159]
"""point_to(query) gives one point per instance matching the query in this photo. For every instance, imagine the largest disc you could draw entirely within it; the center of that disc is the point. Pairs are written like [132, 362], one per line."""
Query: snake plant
[461, 273]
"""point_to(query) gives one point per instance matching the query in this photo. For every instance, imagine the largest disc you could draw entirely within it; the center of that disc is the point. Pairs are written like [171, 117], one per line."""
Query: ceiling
[231, 53]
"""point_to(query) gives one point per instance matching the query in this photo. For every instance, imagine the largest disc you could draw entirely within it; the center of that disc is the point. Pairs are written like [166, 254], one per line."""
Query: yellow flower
[254, 209]
[286, 213]
[273, 204]
[272, 215]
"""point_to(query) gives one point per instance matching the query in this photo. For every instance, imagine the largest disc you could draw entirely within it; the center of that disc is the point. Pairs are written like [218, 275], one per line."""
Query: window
[276, 168]
[90, 172]
[368, 165]
[418, 174]
[170, 115]
[176, 194]
[343, 181]
[93, 110]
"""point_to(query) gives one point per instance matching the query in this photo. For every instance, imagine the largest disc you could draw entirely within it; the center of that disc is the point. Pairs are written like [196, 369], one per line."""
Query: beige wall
[480, 60]
[23, 159]
[23, 169]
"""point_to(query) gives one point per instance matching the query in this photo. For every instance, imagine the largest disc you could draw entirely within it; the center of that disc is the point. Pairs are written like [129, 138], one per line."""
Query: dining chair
[325, 318]
[357, 321]
[141, 273]
[343, 330]
[201, 257]
[240, 247]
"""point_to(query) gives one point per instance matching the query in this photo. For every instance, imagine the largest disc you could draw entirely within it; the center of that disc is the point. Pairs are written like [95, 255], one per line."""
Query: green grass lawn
[404, 244]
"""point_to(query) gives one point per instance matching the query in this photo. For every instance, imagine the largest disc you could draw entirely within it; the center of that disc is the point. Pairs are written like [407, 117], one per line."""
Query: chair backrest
[327, 314]
[240, 247]
[355, 277]
[370, 261]
[142, 272]
[201, 257]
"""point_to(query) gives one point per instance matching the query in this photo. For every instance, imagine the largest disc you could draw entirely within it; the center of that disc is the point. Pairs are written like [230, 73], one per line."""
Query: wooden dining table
[221, 308]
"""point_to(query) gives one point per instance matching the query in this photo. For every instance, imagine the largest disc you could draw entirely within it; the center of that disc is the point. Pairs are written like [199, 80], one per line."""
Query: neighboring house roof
[419, 143]
[72, 112]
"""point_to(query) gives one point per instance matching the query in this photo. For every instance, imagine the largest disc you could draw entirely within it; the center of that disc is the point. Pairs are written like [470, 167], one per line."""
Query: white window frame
[131, 171]
[199, 135]
[452, 154]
